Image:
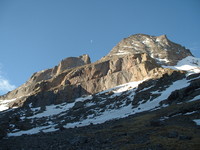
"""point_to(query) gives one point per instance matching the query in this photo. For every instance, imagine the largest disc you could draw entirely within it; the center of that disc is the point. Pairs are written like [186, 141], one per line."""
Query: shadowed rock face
[158, 47]
[133, 59]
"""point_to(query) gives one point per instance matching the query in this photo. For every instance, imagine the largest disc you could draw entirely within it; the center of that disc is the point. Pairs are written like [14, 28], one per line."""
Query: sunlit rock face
[158, 47]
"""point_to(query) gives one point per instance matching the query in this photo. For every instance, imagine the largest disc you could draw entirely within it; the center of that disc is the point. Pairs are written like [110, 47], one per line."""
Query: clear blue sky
[37, 34]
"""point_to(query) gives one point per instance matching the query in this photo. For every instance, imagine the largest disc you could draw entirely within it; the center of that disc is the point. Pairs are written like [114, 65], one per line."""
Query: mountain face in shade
[144, 94]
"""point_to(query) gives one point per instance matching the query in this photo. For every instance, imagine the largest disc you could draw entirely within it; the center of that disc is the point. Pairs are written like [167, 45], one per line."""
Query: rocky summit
[158, 47]
[145, 94]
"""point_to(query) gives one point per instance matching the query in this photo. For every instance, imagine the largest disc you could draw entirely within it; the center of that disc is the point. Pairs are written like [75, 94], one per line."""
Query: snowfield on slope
[128, 110]
[108, 114]
[190, 64]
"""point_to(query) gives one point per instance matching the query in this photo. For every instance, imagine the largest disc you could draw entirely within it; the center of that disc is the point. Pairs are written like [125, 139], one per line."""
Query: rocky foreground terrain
[145, 94]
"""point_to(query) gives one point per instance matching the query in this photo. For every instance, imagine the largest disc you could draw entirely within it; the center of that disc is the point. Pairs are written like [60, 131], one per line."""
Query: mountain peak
[158, 47]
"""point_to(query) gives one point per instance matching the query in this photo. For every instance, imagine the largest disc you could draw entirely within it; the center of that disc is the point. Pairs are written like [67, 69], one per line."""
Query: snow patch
[195, 98]
[105, 116]
[125, 46]
[49, 128]
[158, 40]
[82, 99]
[189, 113]
[197, 121]
[120, 52]
[146, 41]
[189, 64]
[4, 104]
[57, 109]
[145, 89]
[122, 88]
[159, 60]
[52, 110]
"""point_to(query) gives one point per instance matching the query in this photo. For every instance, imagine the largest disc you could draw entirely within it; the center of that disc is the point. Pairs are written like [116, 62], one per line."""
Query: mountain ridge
[128, 83]
[49, 73]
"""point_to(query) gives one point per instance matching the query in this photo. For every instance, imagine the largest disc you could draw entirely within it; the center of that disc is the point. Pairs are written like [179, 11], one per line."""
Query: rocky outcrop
[71, 62]
[158, 47]
[39, 79]
[67, 63]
